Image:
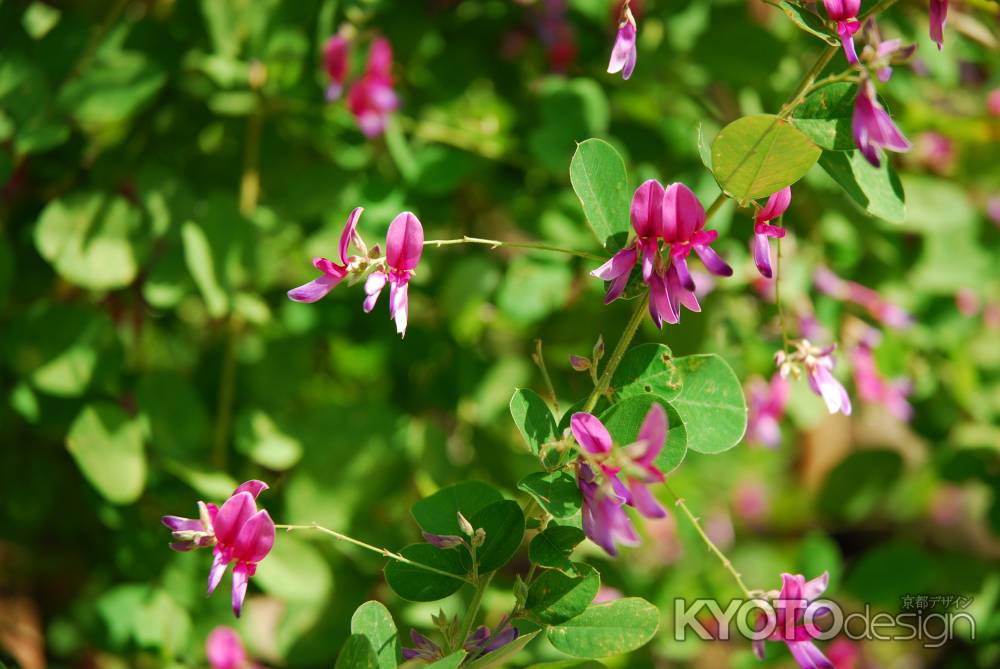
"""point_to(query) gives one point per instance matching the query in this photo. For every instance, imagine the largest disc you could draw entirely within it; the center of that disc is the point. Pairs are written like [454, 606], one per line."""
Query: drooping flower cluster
[674, 216]
[879, 308]
[599, 468]
[845, 13]
[404, 245]
[787, 623]
[238, 532]
[372, 97]
[623, 54]
[762, 229]
[766, 404]
[480, 642]
[818, 365]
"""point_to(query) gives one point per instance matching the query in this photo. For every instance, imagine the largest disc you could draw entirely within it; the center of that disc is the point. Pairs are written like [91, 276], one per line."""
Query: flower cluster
[674, 216]
[238, 532]
[372, 97]
[789, 608]
[403, 246]
[818, 364]
[599, 466]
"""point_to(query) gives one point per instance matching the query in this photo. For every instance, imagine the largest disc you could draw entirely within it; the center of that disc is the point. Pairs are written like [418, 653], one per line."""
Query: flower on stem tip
[623, 54]
[675, 216]
[872, 126]
[336, 54]
[818, 364]
[762, 229]
[787, 620]
[845, 13]
[238, 532]
[600, 464]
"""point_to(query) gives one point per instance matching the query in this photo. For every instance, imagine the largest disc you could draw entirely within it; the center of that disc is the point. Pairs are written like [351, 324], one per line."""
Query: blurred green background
[150, 357]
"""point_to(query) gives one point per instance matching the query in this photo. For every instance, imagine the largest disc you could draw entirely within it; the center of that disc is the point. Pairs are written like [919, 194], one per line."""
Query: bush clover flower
[845, 13]
[372, 98]
[818, 364]
[762, 229]
[336, 59]
[403, 245]
[623, 54]
[767, 402]
[789, 605]
[872, 126]
[938, 11]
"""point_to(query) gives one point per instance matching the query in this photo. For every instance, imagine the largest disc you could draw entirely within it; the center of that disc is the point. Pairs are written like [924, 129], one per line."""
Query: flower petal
[315, 290]
[644, 501]
[219, 564]
[590, 433]
[620, 263]
[623, 53]
[231, 517]
[776, 205]
[404, 242]
[762, 255]
[682, 215]
[241, 577]
[256, 538]
[647, 208]
[653, 432]
[373, 288]
[253, 486]
[350, 230]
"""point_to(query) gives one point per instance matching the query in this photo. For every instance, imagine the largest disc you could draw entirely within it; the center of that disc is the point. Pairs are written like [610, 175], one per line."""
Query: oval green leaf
[556, 597]
[357, 653]
[503, 523]
[877, 190]
[373, 621]
[711, 403]
[552, 547]
[438, 514]
[107, 446]
[599, 179]
[825, 116]
[533, 418]
[608, 629]
[416, 584]
[647, 368]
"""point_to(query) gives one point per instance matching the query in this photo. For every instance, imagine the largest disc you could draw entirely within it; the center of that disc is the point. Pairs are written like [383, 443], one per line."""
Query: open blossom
[880, 55]
[600, 466]
[762, 229]
[938, 11]
[623, 55]
[845, 13]
[818, 365]
[403, 245]
[787, 620]
[872, 126]
[767, 403]
[238, 532]
[675, 216]
[372, 98]
[332, 273]
[336, 54]
[872, 387]
[879, 308]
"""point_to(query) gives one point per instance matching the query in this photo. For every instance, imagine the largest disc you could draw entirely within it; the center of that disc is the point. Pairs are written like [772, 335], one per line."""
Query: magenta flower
[818, 364]
[993, 102]
[623, 55]
[332, 272]
[886, 312]
[373, 98]
[646, 214]
[872, 126]
[845, 13]
[762, 229]
[767, 403]
[239, 533]
[788, 624]
[605, 521]
[872, 387]
[336, 54]
[938, 10]
[403, 245]
[882, 55]
[224, 649]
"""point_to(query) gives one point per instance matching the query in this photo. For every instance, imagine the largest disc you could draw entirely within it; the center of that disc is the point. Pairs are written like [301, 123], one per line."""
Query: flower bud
[579, 363]
[464, 524]
[479, 538]
[442, 540]
[599, 349]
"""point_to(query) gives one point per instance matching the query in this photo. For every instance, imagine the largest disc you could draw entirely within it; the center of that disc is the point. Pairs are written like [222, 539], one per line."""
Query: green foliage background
[150, 357]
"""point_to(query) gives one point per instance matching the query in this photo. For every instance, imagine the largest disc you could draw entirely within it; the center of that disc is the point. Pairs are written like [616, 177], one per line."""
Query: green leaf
[555, 597]
[569, 664]
[533, 418]
[438, 514]
[598, 176]
[373, 621]
[809, 21]
[112, 89]
[450, 662]
[556, 492]
[199, 258]
[705, 146]
[87, 237]
[647, 368]
[502, 656]
[552, 547]
[608, 629]
[503, 523]
[357, 653]
[755, 156]
[876, 189]
[825, 116]
[711, 403]
[411, 582]
[107, 446]
[624, 419]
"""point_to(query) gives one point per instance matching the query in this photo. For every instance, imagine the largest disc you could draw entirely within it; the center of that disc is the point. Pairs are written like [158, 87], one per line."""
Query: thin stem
[496, 243]
[617, 354]
[716, 205]
[540, 361]
[726, 562]
[807, 80]
[470, 613]
[846, 75]
[384, 552]
[777, 298]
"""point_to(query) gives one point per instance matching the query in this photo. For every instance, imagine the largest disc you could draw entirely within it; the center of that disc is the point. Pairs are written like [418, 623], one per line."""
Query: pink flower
[336, 54]
[332, 273]
[935, 151]
[845, 13]
[239, 533]
[789, 608]
[993, 102]
[872, 126]
[872, 387]
[938, 10]
[818, 364]
[886, 312]
[844, 654]
[605, 521]
[372, 98]
[775, 207]
[224, 649]
[623, 55]
[881, 55]
[767, 403]
[675, 216]
[404, 244]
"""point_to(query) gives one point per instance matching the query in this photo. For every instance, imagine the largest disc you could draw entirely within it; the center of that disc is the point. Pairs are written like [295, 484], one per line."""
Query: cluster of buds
[817, 363]
[479, 643]
[473, 539]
